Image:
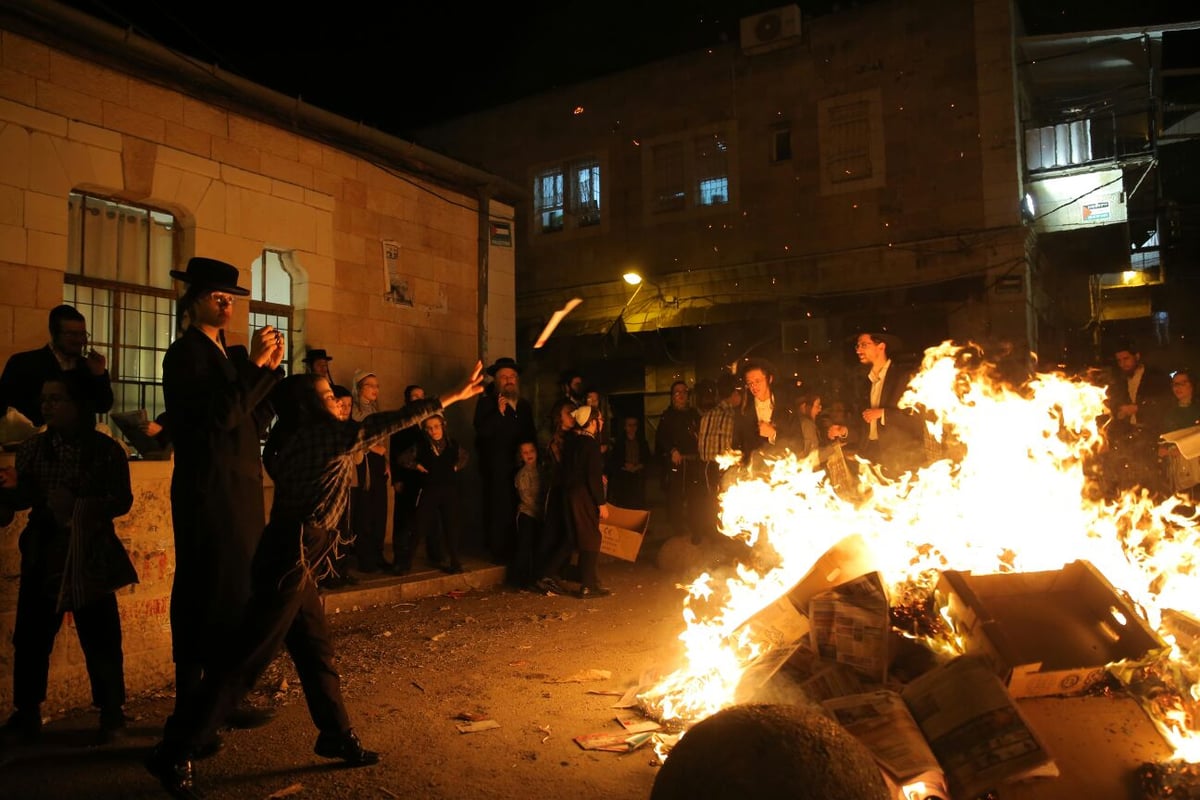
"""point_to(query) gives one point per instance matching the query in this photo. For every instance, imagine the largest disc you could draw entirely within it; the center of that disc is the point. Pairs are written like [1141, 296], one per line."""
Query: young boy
[530, 503]
[439, 459]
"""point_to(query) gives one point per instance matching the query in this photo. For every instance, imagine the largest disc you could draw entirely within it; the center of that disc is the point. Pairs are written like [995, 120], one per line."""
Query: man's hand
[837, 432]
[604, 511]
[96, 363]
[263, 345]
[472, 387]
[676, 457]
[278, 353]
[766, 430]
[1126, 411]
[869, 415]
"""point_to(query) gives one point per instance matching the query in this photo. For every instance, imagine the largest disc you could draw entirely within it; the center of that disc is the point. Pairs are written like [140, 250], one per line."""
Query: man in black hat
[503, 419]
[24, 374]
[216, 413]
[318, 362]
[892, 437]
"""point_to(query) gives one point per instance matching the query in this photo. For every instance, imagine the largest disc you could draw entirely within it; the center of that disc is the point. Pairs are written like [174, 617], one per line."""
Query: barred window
[667, 175]
[119, 257]
[271, 295]
[712, 171]
[567, 195]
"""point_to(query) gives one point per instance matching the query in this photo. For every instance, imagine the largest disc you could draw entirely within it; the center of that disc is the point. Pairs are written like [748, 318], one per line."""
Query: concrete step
[380, 588]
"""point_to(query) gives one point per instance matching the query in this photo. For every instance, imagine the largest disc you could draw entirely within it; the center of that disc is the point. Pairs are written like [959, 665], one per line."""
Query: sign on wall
[396, 288]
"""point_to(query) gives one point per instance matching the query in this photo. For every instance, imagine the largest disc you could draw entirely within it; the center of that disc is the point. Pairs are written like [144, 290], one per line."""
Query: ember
[1012, 495]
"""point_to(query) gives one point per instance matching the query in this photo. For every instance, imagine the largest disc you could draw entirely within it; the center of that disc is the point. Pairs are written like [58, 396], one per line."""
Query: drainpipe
[485, 240]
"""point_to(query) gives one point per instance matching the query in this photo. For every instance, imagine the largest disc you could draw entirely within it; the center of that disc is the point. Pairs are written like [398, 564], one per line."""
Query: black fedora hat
[316, 354]
[503, 363]
[211, 275]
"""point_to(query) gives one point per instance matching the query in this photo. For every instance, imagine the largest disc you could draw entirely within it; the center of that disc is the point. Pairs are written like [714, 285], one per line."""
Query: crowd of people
[246, 586]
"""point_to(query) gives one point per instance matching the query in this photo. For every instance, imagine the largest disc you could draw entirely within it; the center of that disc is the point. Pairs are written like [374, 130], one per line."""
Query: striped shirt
[716, 431]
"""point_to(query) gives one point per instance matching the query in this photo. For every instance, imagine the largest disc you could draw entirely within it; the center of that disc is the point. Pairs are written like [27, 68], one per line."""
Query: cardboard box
[1045, 633]
[622, 533]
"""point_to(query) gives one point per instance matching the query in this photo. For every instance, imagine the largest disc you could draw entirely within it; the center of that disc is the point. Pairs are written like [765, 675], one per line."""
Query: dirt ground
[409, 670]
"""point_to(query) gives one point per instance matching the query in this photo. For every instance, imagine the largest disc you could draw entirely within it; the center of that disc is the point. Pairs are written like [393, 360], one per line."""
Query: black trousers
[368, 513]
[437, 521]
[99, 627]
[285, 611]
[404, 509]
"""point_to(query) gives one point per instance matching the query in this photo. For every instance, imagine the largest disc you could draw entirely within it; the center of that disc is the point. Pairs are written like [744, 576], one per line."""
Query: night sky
[427, 61]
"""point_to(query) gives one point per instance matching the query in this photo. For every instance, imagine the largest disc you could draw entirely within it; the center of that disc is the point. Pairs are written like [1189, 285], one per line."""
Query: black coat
[216, 414]
[901, 443]
[24, 374]
[745, 426]
[583, 488]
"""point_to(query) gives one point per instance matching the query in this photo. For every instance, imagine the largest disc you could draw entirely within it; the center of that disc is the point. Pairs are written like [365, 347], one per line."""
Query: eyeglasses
[222, 300]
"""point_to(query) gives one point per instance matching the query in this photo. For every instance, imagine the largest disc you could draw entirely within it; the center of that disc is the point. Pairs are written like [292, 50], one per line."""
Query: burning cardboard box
[1045, 633]
[622, 533]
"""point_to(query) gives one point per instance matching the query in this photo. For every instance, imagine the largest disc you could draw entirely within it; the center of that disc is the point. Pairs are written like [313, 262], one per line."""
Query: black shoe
[347, 747]
[549, 586]
[401, 569]
[453, 569]
[589, 592]
[23, 727]
[248, 717]
[176, 774]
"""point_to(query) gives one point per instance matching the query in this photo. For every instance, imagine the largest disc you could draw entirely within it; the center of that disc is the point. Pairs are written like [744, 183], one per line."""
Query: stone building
[868, 166]
[120, 159]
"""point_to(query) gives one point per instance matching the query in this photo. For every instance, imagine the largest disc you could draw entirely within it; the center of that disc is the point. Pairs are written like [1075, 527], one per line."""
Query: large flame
[1011, 494]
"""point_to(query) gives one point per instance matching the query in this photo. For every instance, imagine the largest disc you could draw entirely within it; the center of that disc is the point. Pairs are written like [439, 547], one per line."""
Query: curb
[380, 589]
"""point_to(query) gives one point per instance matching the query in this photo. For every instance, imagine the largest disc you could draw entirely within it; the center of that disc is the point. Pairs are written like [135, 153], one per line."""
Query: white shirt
[765, 409]
[877, 377]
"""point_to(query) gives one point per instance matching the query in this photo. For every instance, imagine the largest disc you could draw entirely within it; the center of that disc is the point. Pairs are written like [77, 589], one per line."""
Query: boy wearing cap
[216, 412]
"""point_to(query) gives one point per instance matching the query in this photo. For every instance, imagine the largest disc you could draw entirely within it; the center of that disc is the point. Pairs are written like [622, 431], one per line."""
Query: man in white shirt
[891, 436]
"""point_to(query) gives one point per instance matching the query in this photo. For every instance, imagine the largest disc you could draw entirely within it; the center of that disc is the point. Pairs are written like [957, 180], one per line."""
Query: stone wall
[237, 186]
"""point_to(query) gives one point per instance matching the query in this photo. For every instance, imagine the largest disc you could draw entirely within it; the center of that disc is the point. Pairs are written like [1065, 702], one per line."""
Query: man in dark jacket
[891, 436]
[24, 374]
[216, 413]
[1137, 398]
[766, 419]
[503, 419]
[676, 445]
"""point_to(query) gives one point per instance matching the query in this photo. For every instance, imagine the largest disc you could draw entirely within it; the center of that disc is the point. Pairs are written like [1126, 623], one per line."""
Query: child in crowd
[530, 502]
[439, 459]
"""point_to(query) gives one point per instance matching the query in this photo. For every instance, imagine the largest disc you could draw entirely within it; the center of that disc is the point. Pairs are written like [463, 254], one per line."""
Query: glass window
[781, 144]
[271, 295]
[586, 194]
[548, 200]
[119, 258]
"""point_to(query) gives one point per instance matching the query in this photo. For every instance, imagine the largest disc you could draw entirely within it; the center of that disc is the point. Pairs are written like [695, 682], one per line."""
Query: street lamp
[635, 280]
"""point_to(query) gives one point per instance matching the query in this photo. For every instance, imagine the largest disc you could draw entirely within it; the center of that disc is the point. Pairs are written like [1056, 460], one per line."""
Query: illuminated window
[567, 195]
[548, 200]
[689, 173]
[712, 171]
[119, 257]
[271, 295]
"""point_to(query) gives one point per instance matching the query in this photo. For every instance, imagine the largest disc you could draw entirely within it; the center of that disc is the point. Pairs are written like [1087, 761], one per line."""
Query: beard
[510, 394]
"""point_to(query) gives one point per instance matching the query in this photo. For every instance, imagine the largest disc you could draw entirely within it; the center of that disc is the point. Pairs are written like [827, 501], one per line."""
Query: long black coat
[216, 413]
[583, 488]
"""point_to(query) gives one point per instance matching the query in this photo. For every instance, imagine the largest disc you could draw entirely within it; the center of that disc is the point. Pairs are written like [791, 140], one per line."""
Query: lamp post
[635, 280]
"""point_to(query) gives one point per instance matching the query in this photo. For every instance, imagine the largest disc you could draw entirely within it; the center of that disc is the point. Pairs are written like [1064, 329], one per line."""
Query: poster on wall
[396, 289]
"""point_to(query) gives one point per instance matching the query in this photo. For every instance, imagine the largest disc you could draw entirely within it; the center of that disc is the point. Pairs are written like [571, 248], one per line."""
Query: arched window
[271, 294]
[119, 258]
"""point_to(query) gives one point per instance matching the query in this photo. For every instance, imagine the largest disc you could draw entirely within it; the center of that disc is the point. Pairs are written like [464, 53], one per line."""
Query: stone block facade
[237, 186]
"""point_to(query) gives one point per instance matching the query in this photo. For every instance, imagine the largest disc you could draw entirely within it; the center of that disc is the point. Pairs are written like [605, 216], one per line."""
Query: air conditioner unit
[779, 27]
